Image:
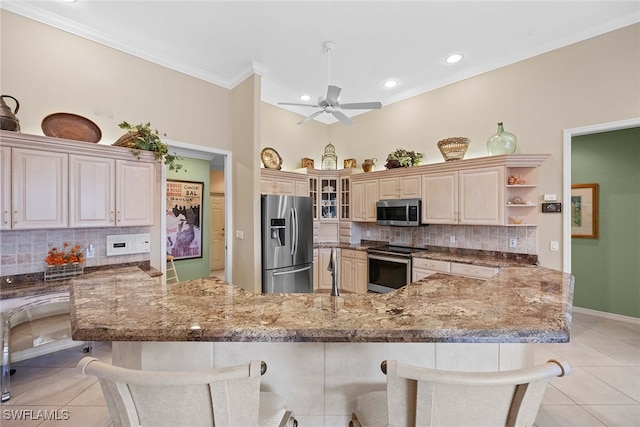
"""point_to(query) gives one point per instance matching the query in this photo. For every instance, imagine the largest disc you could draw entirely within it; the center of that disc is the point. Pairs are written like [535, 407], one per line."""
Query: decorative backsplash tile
[487, 238]
[24, 251]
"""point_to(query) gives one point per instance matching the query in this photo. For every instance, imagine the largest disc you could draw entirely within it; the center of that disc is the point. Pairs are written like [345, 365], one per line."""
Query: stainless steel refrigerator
[287, 244]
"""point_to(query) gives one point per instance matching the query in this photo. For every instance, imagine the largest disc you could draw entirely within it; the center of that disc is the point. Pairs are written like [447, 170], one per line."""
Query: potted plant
[402, 158]
[143, 138]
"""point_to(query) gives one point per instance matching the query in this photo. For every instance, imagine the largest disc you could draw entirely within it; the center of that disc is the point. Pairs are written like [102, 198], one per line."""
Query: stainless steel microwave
[398, 212]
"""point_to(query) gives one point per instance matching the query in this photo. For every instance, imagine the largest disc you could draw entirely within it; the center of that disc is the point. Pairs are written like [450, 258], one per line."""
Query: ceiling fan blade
[333, 92]
[306, 119]
[362, 106]
[341, 116]
[299, 105]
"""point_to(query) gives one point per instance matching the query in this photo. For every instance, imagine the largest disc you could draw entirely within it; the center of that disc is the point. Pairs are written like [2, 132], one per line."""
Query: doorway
[216, 235]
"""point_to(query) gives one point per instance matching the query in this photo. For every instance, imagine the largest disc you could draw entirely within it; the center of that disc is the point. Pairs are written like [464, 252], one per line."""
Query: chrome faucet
[334, 278]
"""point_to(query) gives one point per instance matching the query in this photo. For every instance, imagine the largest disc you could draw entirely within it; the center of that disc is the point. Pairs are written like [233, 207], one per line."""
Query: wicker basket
[453, 148]
[126, 140]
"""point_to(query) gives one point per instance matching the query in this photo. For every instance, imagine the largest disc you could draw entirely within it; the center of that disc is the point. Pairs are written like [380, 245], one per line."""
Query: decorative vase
[501, 142]
[369, 164]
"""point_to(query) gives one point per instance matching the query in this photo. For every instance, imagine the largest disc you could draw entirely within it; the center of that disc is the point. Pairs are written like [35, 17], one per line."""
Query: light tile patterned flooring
[603, 389]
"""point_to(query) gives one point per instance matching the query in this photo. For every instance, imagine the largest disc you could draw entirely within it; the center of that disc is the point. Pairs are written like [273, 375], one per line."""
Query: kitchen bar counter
[519, 305]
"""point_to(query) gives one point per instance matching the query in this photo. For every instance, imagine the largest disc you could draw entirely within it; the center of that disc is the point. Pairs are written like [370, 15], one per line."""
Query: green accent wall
[607, 269]
[196, 170]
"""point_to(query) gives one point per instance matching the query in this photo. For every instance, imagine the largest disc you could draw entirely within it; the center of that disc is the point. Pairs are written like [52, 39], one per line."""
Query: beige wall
[291, 141]
[591, 82]
[51, 71]
[246, 184]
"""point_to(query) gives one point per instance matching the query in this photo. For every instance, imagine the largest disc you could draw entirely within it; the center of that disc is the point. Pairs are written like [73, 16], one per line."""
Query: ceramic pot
[369, 164]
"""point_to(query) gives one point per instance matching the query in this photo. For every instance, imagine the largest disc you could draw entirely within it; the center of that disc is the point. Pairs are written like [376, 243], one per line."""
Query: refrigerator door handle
[295, 211]
[280, 273]
[293, 231]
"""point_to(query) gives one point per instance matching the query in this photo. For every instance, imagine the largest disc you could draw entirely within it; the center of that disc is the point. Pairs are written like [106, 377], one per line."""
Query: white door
[216, 238]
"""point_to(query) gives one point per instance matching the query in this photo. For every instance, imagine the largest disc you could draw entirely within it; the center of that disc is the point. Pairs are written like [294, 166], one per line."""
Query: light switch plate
[551, 207]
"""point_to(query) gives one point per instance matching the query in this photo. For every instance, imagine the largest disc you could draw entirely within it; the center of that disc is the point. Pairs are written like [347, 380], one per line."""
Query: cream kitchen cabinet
[473, 271]
[364, 195]
[283, 183]
[92, 191]
[353, 271]
[324, 275]
[5, 187]
[106, 192]
[39, 189]
[316, 268]
[468, 196]
[423, 267]
[135, 193]
[402, 187]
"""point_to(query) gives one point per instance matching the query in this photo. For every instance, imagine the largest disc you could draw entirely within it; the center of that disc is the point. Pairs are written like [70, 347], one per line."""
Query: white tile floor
[603, 390]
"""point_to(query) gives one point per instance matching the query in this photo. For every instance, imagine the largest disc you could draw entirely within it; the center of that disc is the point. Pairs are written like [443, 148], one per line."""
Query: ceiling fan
[330, 103]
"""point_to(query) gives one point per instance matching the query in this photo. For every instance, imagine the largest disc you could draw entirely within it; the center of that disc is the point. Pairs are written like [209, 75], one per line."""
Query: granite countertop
[34, 284]
[519, 304]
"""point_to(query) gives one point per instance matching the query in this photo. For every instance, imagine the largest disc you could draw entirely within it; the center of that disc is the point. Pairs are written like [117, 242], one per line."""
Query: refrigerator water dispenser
[277, 232]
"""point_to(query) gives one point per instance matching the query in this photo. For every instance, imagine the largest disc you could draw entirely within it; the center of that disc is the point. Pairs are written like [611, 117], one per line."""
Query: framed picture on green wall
[584, 211]
[184, 219]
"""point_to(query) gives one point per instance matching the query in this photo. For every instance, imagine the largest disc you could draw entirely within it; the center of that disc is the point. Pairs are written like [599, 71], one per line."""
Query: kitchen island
[323, 351]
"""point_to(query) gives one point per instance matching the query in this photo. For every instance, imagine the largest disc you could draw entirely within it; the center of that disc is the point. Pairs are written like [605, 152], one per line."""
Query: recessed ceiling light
[305, 97]
[390, 83]
[453, 58]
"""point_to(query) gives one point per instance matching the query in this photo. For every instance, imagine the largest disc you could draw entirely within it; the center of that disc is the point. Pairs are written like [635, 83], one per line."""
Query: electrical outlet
[368, 233]
[513, 242]
[91, 251]
[452, 238]
[553, 245]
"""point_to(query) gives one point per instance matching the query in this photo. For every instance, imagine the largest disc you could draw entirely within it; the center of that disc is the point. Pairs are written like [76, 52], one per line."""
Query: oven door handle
[398, 260]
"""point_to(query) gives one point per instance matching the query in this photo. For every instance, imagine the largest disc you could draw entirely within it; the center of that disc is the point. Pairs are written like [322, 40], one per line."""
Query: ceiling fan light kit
[330, 103]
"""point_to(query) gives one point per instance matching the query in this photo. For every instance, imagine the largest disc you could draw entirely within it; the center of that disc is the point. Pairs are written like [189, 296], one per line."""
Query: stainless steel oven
[389, 268]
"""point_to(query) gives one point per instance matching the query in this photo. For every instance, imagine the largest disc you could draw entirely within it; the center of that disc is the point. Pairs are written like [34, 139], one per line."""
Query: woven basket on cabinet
[453, 148]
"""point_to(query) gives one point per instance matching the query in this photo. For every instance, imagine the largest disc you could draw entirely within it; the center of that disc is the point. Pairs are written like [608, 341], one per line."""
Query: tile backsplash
[24, 251]
[487, 238]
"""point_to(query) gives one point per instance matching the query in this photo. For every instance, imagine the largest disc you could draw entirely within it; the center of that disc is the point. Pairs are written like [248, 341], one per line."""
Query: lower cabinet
[423, 267]
[316, 268]
[353, 271]
[426, 267]
[474, 271]
[324, 281]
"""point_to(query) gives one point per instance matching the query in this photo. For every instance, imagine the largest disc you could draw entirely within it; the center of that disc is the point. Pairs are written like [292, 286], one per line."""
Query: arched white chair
[424, 397]
[222, 397]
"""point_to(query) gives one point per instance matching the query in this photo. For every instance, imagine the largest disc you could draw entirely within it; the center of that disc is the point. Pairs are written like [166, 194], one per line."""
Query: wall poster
[184, 219]
[584, 211]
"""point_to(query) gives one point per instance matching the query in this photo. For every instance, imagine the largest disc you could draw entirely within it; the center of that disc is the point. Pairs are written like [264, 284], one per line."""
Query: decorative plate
[270, 158]
[70, 126]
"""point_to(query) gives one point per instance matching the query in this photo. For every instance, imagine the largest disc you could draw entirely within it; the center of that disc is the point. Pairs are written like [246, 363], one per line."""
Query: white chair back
[426, 397]
[221, 397]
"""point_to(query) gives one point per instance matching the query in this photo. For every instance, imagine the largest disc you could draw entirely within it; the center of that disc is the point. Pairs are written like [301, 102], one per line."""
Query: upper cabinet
[57, 183]
[93, 194]
[5, 187]
[283, 183]
[39, 189]
[481, 196]
[402, 187]
[107, 192]
[476, 191]
[470, 196]
[134, 201]
[364, 195]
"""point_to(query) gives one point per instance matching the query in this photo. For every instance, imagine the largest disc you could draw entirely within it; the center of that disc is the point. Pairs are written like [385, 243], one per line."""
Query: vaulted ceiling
[223, 42]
